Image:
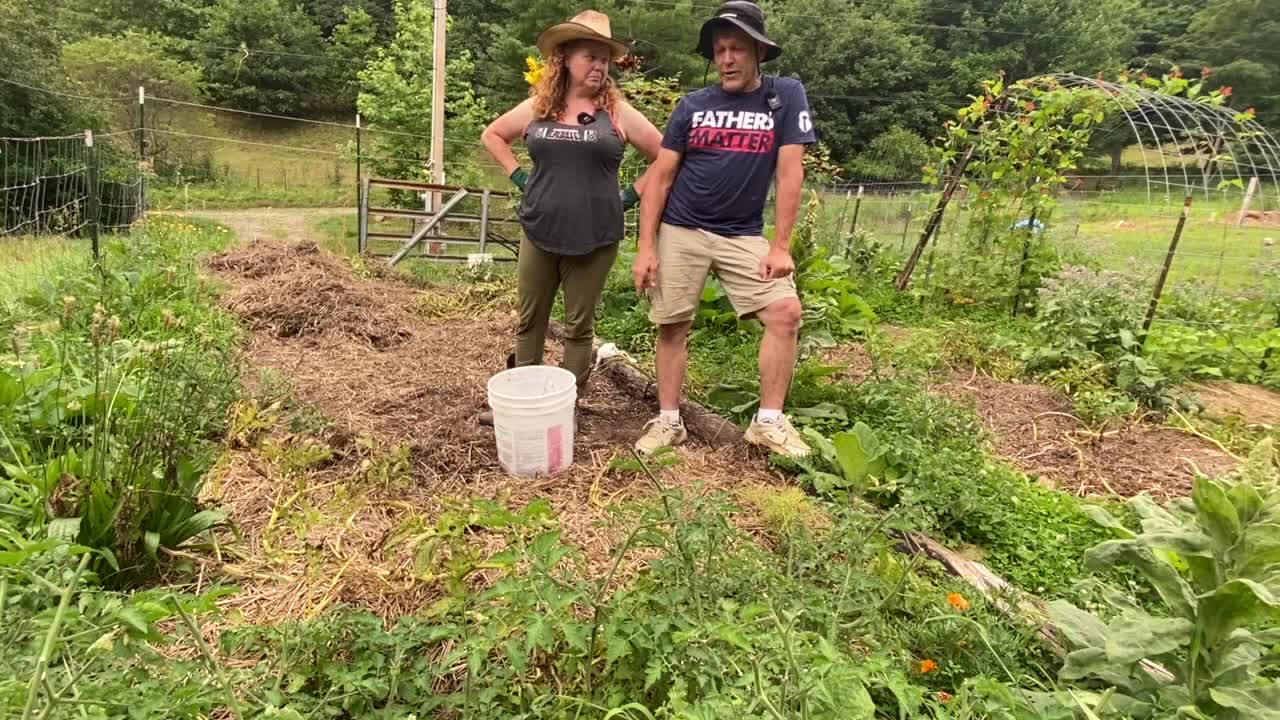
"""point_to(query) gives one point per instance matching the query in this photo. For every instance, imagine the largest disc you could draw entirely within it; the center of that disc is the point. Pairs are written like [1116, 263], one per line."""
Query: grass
[25, 261]
[257, 162]
[1119, 231]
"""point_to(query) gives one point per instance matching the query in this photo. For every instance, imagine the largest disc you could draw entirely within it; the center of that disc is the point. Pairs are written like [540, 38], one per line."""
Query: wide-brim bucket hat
[744, 15]
[586, 25]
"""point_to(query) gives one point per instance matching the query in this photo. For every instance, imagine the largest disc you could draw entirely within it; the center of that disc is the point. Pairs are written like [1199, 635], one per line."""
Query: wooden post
[438, 62]
[359, 166]
[935, 219]
[853, 224]
[1164, 269]
[142, 150]
[1249, 195]
[362, 224]
[906, 225]
[93, 208]
[484, 220]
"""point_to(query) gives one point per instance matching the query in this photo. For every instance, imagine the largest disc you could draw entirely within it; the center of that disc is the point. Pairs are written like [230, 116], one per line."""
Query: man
[703, 212]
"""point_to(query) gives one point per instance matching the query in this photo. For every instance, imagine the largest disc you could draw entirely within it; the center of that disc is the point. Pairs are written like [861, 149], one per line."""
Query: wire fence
[73, 185]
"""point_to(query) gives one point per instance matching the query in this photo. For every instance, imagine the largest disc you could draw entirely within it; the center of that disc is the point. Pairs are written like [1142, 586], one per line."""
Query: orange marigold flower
[958, 602]
[928, 666]
[944, 696]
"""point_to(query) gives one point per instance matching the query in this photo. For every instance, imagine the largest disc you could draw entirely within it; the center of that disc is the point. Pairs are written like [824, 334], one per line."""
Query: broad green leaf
[1081, 628]
[1131, 638]
[1247, 501]
[853, 458]
[1163, 578]
[151, 542]
[821, 410]
[1259, 702]
[195, 525]
[65, 529]
[1217, 515]
[1236, 604]
[1092, 662]
[1100, 516]
[134, 620]
[1182, 543]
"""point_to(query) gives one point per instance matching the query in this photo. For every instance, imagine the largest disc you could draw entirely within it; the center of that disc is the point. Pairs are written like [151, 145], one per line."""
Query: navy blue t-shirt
[730, 144]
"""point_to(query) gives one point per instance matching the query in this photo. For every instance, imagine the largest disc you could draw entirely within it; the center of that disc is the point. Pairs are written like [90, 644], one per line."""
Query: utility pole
[437, 101]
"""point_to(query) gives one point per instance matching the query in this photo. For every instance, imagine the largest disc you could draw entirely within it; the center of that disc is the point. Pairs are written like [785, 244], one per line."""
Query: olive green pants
[540, 275]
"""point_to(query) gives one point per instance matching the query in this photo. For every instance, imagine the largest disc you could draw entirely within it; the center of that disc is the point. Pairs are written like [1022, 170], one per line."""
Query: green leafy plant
[1214, 560]
[114, 398]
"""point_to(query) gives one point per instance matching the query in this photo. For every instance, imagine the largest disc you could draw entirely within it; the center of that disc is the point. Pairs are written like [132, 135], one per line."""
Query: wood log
[1003, 596]
[705, 424]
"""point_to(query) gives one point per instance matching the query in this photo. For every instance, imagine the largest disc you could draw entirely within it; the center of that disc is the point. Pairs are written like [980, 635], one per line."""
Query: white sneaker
[659, 433]
[778, 436]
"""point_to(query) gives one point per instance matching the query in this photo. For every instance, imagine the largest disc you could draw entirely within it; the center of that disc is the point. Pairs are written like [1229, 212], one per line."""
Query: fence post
[484, 221]
[853, 224]
[1164, 269]
[142, 150]
[93, 218]
[935, 220]
[360, 204]
[1022, 264]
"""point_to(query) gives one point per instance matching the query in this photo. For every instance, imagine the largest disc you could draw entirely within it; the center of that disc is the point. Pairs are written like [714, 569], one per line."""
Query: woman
[575, 124]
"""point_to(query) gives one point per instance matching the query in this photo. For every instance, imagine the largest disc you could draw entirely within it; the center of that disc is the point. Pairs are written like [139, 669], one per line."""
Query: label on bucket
[555, 448]
[533, 451]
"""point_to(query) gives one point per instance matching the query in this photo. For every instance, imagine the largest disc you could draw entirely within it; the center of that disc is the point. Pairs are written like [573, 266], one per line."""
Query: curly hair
[550, 93]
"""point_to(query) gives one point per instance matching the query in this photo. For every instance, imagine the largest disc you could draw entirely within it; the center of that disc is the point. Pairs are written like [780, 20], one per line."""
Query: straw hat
[587, 25]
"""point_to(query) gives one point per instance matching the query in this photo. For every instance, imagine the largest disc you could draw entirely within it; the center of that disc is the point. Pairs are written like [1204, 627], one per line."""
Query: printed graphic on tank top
[571, 204]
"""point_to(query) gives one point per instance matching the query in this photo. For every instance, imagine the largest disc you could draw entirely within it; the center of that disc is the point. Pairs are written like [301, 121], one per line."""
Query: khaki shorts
[686, 256]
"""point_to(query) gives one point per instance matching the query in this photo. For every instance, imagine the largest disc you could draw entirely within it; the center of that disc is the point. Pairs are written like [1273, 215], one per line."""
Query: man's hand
[645, 270]
[777, 264]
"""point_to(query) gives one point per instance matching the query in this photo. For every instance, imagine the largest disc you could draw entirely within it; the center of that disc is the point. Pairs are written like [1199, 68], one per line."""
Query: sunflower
[534, 73]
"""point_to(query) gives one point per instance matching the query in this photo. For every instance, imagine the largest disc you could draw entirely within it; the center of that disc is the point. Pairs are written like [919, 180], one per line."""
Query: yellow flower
[958, 602]
[534, 74]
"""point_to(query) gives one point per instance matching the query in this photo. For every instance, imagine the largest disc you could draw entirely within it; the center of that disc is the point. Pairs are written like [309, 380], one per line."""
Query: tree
[352, 46]
[175, 18]
[1026, 38]
[117, 66]
[396, 95]
[864, 74]
[29, 56]
[1236, 39]
[261, 55]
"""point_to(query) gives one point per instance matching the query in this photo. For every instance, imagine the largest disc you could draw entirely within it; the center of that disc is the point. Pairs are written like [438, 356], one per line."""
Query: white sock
[768, 416]
[670, 416]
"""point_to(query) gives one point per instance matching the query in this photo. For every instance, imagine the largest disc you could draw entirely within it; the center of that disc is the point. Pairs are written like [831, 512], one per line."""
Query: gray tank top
[571, 204]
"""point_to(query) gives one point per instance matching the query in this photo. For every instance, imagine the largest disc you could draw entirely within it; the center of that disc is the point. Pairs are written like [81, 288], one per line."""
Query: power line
[929, 26]
[57, 92]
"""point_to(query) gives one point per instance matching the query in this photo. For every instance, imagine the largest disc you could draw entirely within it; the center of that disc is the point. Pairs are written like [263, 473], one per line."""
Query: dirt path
[285, 224]
[377, 436]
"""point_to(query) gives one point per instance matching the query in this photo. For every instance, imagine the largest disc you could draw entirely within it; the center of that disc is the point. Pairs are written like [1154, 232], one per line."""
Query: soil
[1032, 427]
[392, 378]
[1255, 405]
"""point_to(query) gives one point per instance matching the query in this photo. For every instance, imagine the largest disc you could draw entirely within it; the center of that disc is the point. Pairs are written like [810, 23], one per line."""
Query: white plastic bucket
[533, 419]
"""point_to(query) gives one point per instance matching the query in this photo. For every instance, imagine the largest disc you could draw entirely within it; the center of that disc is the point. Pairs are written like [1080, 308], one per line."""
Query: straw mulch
[1033, 427]
[318, 515]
